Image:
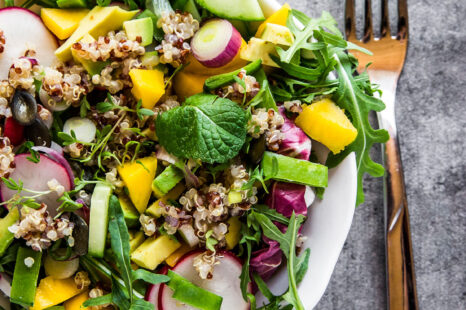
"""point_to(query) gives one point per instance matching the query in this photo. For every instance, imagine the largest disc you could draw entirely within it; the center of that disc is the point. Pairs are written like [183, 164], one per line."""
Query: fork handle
[401, 281]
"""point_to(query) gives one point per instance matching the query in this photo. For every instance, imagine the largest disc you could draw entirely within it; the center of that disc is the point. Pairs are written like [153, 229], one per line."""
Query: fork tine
[350, 23]
[385, 24]
[368, 32]
[403, 28]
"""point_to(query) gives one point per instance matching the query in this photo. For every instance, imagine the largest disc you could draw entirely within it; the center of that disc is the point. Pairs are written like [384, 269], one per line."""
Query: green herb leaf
[206, 127]
[272, 214]
[98, 301]
[149, 277]
[119, 238]
[141, 304]
[351, 98]
[264, 98]
[302, 265]
[220, 80]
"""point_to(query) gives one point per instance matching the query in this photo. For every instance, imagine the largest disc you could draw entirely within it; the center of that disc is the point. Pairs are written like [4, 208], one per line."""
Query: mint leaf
[206, 127]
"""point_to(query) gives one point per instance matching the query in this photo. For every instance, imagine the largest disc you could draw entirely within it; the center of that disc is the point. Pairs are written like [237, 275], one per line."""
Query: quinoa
[81, 279]
[2, 41]
[7, 157]
[293, 106]
[23, 72]
[236, 91]
[148, 224]
[178, 28]
[268, 123]
[204, 264]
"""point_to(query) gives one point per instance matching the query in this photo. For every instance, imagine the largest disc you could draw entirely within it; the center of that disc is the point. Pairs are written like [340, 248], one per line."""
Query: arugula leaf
[302, 265]
[141, 304]
[351, 98]
[272, 214]
[206, 127]
[119, 238]
[98, 301]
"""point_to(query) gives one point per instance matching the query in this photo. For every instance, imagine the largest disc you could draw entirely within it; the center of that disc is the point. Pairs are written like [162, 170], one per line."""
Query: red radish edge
[228, 40]
[59, 159]
[152, 292]
[187, 256]
[14, 131]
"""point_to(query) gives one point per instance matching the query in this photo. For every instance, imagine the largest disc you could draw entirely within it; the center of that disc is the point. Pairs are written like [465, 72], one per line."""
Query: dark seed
[257, 149]
[38, 133]
[80, 234]
[24, 107]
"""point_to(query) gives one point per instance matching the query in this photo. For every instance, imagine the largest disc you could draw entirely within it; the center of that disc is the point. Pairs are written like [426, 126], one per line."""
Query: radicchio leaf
[295, 142]
[288, 197]
[264, 262]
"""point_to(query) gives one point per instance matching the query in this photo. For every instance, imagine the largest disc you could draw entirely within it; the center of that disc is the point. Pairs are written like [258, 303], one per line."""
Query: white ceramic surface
[327, 226]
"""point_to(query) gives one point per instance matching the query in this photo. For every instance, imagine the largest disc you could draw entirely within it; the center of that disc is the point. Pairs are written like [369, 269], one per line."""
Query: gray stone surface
[431, 115]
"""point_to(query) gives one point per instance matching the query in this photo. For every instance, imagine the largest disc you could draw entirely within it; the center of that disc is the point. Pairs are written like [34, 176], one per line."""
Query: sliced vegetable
[71, 4]
[6, 237]
[62, 22]
[216, 43]
[188, 234]
[141, 28]
[154, 251]
[60, 269]
[157, 207]
[276, 34]
[295, 142]
[288, 169]
[98, 221]
[138, 176]
[167, 180]
[325, 122]
[227, 78]
[233, 235]
[51, 292]
[247, 10]
[130, 213]
[5, 284]
[136, 238]
[23, 287]
[259, 49]
[177, 255]
[35, 177]
[57, 156]
[83, 128]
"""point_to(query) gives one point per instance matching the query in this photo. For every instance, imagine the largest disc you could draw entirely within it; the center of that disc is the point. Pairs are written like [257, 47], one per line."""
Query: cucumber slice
[23, 287]
[247, 10]
[98, 219]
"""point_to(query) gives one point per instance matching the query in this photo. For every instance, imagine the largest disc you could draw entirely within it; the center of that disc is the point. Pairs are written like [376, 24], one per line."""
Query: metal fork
[387, 64]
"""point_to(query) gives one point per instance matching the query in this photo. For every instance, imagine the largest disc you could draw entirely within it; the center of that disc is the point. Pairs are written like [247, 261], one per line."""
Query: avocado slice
[165, 181]
[136, 238]
[143, 28]
[98, 22]
[6, 237]
[130, 213]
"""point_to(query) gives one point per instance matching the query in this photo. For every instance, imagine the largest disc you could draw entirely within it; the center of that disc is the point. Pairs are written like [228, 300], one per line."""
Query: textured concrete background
[431, 114]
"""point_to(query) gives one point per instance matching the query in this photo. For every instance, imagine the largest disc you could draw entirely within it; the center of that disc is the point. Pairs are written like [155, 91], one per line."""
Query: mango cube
[138, 177]
[187, 84]
[154, 251]
[62, 22]
[51, 292]
[278, 18]
[175, 257]
[98, 22]
[76, 302]
[233, 235]
[325, 122]
[148, 86]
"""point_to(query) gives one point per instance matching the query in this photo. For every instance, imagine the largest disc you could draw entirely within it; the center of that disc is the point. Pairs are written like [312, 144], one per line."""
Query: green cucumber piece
[71, 4]
[165, 181]
[292, 170]
[24, 284]
[247, 10]
[98, 219]
[191, 294]
[220, 80]
[6, 237]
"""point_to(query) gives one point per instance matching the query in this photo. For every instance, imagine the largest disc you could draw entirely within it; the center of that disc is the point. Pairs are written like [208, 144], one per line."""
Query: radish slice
[23, 31]
[83, 128]
[216, 43]
[5, 284]
[57, 157]
[152, 292]
[35, 177]
[225, 282]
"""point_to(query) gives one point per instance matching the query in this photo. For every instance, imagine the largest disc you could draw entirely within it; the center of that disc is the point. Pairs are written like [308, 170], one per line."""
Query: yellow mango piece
[138, 177]
[148, 86]
[154, 251]
[233, 235]
[258, 48]
[136, 238]
[156, 209]
[325, 122]
[278, 18]
[51, 292]
[188, 84]
[98, 22]
[76, 302]
[175, 257]
[62, 22]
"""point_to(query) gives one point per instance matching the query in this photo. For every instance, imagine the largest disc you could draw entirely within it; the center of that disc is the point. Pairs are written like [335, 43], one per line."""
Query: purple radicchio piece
[265, 261]
[295, 142]
[288, 197]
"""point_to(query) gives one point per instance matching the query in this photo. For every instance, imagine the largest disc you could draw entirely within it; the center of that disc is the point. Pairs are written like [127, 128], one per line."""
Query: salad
[164, 154]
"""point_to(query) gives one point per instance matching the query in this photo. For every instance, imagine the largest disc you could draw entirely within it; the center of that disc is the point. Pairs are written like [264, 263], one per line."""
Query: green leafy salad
[163, 154]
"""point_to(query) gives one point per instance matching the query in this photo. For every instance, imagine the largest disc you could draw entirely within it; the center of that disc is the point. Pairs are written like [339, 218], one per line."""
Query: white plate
[327, 226]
